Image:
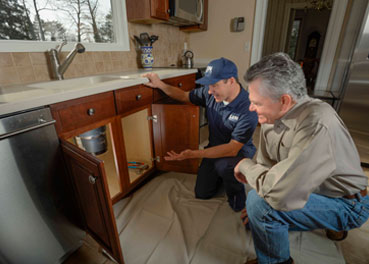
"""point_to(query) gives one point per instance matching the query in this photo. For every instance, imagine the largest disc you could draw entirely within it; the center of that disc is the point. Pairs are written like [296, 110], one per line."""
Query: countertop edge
[60, 96]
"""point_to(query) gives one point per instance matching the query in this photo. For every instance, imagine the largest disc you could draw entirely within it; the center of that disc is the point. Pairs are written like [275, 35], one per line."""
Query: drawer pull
[92, 179]
[91, 111]
[138, 97]
[180, 84]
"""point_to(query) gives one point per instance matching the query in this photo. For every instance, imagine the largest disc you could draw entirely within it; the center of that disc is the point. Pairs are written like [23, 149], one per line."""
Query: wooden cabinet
[131, 130]
[89, 183]
[176, 122]
[129, 99]
[76, 113]
[201, 27]
[186, 83]
[157, 11]
[147, 11]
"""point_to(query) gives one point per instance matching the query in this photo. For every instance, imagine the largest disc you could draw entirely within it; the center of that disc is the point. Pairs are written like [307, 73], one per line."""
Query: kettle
[187, 59]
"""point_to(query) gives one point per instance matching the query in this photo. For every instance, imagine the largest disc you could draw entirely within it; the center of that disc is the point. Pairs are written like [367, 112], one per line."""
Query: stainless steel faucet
[59, 69]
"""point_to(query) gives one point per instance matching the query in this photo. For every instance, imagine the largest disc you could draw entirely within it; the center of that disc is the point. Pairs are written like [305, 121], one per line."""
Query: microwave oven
[186, 12]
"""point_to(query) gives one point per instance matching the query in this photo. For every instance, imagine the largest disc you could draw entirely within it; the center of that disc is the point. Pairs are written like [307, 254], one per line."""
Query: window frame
[120, 27]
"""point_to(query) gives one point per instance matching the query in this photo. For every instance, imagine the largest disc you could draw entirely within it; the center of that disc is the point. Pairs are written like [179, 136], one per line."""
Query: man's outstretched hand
[186, 154]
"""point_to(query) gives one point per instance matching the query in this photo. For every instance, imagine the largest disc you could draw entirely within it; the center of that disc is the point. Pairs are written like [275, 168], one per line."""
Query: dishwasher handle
[22, 130]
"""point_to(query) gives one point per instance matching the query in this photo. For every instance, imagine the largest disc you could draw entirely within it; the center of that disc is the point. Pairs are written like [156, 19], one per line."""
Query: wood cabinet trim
[72, 114]
[127, 100]
[91, 163]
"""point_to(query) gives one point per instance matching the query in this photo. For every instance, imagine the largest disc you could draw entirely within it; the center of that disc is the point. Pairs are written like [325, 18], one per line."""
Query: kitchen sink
[128, 76]
[75, 83]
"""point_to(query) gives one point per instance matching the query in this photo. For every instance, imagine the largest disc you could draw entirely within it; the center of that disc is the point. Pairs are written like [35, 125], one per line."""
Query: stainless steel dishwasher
[33, 227]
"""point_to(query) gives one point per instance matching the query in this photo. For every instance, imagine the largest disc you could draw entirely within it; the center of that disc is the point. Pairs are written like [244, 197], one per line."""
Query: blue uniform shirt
[226, 122]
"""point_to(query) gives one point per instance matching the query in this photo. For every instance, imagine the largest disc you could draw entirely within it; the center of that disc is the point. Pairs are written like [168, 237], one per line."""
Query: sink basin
[75, 83]
[128, 76]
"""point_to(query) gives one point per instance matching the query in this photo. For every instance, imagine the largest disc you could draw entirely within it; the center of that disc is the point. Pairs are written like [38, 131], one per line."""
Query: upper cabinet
[200, 27]
[147, 11]
[158, 11]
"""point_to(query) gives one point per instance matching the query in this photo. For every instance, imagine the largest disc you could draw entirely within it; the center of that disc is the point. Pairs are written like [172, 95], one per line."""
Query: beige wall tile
[21, 59]
[38, 58]
[9, 75]
[99, 67]
[117, 66]
[116, 55]
[71, 71]
[98, 56]
[26, 74]
[41, 73]
[6, 59]
[166, 51]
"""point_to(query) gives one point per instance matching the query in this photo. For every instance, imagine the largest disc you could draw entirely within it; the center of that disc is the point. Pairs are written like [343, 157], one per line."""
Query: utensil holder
[147, 59]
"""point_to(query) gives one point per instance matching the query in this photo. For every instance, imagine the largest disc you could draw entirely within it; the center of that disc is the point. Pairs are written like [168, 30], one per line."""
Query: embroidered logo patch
[209, 70]
[233, 117]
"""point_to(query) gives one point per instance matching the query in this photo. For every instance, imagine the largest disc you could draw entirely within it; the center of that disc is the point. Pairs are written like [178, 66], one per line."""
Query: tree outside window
[56, 20]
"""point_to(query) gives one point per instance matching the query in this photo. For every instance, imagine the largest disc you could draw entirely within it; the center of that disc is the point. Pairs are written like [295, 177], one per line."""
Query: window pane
[56, 20]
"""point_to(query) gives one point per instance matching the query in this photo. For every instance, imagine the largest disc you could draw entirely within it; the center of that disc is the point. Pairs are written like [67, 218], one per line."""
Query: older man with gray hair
[307, 173]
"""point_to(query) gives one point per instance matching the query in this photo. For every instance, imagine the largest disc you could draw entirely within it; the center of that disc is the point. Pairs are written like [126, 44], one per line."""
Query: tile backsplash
[27, 67]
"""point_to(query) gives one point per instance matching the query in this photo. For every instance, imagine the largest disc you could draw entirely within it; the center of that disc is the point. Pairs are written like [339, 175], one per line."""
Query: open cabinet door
[177, 129]
[89, 180]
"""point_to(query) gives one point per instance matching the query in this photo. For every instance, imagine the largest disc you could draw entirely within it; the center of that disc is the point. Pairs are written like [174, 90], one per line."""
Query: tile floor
[354, 248]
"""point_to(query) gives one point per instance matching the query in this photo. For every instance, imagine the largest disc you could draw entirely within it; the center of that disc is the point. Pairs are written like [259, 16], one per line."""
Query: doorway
[284, 13]
[299, 31]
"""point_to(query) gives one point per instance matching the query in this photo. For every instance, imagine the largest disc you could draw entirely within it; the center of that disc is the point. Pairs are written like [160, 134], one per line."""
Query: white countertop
[22, 97]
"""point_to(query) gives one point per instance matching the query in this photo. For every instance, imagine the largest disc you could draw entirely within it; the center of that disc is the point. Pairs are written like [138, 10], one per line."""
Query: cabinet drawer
[133, 97]
[186, 83]
[76, 113]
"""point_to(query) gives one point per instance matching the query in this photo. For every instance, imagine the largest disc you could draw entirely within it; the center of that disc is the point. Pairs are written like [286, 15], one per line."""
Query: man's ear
[287, 102]
[232, 80]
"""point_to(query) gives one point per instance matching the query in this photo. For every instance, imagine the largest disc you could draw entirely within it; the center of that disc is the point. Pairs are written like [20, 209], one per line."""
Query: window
[38, 25]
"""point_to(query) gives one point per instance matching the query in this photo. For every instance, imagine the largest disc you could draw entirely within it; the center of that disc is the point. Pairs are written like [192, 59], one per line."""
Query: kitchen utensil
[145, 39]
[137, 165]
[138, 40]
[153, 38]
[187, 59]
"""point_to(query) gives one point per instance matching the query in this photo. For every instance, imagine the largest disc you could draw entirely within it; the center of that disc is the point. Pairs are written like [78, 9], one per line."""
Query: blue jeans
[269, 227]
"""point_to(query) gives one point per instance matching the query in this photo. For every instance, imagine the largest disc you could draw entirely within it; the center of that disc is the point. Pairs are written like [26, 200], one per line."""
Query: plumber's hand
[185, 154]
[154, 80]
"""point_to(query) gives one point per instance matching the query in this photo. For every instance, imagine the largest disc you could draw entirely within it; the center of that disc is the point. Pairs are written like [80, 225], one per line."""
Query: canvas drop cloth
[163, 223]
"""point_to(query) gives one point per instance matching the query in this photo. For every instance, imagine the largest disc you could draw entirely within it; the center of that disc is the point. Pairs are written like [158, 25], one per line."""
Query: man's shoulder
[315, 111]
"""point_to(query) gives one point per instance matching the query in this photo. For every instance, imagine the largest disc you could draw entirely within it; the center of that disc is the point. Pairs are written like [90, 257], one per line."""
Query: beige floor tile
[85, 254]
[88, 253]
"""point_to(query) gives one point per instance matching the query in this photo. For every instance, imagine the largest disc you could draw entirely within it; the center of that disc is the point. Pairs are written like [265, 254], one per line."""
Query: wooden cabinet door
[159, 9]
[177, 129]
[89, 183]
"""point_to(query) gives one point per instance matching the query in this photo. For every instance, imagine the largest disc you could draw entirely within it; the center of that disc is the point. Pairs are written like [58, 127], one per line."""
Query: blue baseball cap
[219, 69]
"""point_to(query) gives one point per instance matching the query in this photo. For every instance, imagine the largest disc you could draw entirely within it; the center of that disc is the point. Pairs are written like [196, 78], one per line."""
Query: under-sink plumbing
[58, 69]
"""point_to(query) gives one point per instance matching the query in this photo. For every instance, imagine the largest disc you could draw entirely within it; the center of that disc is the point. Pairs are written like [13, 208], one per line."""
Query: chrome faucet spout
[59, 69]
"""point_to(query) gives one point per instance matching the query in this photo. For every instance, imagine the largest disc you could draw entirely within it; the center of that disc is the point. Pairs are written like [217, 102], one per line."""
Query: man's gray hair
[279, 75]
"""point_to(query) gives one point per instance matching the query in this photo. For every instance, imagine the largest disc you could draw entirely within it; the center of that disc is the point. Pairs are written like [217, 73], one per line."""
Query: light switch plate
[238, 24]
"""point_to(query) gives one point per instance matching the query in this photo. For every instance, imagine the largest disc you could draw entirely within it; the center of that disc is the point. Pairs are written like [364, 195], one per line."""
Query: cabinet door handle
[180, 84]
[138, 97]
[92, 179]
[91, 111]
